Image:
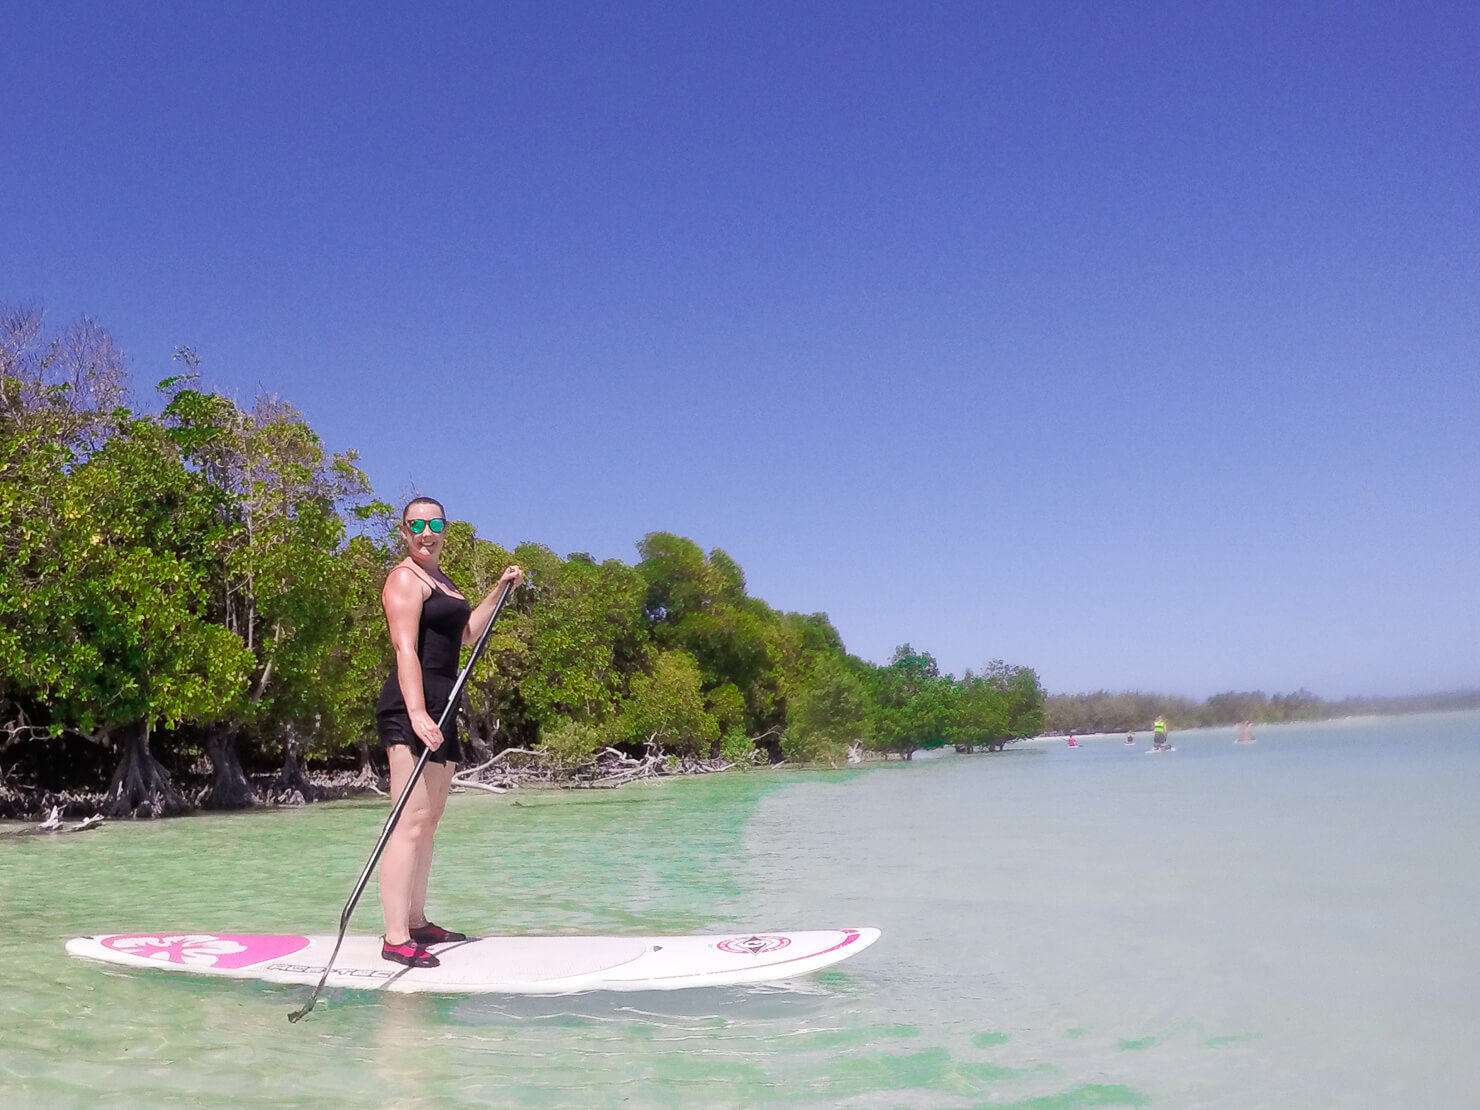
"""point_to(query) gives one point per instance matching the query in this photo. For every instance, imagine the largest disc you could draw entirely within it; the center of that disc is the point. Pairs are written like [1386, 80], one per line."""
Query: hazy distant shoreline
[1120, 734]
[1134, 710]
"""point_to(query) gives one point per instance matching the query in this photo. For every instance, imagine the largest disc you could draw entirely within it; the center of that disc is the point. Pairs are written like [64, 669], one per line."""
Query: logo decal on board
[226, 951]
[754, 945]
[339, 972]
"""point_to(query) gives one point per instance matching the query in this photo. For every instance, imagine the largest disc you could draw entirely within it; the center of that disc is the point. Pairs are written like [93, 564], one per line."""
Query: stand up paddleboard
[1160, 751]
[492, 965]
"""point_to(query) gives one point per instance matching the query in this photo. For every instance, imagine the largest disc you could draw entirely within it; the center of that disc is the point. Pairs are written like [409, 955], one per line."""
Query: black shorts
[395, 728]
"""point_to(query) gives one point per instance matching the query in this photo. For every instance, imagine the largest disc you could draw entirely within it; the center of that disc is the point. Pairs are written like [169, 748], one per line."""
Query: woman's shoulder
[407, 575]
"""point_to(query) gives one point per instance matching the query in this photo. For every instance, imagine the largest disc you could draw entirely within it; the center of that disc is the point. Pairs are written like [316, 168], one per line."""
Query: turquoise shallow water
[1290, 923]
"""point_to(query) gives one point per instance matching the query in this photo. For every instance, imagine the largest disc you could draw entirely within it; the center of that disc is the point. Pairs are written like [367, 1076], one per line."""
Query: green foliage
[284, 586]
[739, 749]
[915, 670]
[912, 705]
[826, 712]
[357, 659]
[494, 699]
[982, 714]
[726, 577]
[104, 613]
[732, 647]
[679, 579]
[1021, 700]
[569, 745]
[933, 714]
[587, 635]
[667, 708]
[727, 704]
[697, 603]
[814, 634]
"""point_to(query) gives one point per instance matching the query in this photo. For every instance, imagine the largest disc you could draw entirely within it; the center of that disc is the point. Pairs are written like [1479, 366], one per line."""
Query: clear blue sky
[1135, 342]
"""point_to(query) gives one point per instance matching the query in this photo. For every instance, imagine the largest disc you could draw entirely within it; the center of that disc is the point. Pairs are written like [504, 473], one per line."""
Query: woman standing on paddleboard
[429, 621]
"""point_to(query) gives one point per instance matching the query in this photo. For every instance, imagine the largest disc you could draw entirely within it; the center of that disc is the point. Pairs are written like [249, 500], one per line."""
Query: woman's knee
[417, 821]
[439, 785]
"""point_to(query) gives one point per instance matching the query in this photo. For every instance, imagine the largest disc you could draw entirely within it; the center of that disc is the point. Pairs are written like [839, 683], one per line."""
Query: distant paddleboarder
[1159, 734]
[429, 621]
[1073, 743]
[1130, 737]
[1245, 733]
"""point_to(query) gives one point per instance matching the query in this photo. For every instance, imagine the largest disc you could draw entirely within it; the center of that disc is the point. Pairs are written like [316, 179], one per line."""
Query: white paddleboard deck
[490, 965]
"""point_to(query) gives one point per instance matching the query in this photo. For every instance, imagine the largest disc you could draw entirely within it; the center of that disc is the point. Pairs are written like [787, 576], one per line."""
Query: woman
[429, 621]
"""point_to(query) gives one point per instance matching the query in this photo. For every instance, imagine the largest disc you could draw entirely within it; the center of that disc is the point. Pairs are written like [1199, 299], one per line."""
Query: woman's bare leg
[399, 863]
[438, 779]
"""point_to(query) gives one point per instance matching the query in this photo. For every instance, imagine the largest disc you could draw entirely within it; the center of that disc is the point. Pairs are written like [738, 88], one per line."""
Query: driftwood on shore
[520, 767]
[54, 825]
[612, 768]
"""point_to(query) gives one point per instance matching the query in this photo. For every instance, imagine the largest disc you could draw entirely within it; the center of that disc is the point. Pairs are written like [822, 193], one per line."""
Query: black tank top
[438, 641]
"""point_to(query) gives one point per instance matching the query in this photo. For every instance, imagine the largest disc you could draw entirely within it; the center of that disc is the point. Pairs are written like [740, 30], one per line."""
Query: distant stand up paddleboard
[1153, 750]
[491, 965]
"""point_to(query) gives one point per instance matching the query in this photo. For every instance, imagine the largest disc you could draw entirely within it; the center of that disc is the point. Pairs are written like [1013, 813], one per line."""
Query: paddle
[390, 822]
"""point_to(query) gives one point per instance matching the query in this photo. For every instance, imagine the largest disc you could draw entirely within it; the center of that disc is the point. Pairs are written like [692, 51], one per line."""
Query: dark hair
[423, 501]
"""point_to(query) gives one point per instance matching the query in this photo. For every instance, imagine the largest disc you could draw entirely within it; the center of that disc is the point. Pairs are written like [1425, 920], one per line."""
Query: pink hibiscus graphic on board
[222, 950]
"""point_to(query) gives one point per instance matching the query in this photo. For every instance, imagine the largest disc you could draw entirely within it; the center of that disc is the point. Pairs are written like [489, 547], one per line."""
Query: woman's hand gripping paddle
[390, 822]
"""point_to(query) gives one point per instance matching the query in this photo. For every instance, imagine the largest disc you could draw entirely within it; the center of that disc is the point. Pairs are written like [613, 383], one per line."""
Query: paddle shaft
[395, 815]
